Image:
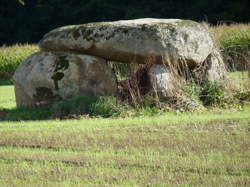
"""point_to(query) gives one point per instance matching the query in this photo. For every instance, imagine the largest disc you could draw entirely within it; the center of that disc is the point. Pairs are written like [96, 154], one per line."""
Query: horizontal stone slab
[135, 41]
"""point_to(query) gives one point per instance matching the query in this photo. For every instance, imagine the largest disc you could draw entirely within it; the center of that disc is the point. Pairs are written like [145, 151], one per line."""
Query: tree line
[26, 21]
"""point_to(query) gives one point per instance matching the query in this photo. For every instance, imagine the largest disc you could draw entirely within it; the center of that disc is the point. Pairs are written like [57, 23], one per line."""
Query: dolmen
[72, 60]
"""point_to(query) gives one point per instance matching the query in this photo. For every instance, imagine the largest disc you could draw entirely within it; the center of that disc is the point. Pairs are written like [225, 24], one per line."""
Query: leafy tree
[28, 20]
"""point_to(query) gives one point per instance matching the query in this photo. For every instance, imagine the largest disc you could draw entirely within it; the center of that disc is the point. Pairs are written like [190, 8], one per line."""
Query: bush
[104, 107]
[12, 56]
[243, 95]
[213, 94]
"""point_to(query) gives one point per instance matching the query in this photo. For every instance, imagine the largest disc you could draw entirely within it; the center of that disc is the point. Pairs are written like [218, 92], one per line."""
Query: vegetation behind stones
[234, 43]
[12, 56]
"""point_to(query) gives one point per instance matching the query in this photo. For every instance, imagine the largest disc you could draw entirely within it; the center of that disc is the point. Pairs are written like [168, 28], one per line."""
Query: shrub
[243, 95]
[104, 107]
[213, 94]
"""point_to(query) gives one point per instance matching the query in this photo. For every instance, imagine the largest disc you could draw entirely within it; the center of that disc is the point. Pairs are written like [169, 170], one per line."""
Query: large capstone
[134, 41]
[46, 76]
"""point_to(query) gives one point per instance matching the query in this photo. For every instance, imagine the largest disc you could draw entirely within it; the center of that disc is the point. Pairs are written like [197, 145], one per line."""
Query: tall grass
[12, 56]
[234, 43]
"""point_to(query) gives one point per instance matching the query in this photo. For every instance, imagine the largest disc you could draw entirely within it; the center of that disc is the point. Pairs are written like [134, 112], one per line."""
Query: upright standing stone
[46, 76]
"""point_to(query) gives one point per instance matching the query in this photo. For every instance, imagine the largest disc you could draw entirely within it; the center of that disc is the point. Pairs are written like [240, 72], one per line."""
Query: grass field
[207, 148]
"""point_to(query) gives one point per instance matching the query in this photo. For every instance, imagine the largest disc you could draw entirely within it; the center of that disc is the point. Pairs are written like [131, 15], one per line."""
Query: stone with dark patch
[57, 77]
[62, 63]
[43, 93]
[53, 76]
[132, 41]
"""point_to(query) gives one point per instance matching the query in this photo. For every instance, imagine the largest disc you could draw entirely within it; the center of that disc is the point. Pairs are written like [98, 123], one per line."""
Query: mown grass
[207, 149]
[201, 148]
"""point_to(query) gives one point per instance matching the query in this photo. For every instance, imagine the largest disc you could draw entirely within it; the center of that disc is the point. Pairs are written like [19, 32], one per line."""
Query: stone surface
[212, 69]
[216, 71]
[46, 76]
[167, 40]
[162, 81]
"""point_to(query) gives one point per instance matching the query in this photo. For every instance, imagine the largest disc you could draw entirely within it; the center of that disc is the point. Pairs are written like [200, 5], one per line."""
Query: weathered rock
[153, 80]
[217, 71]
[213, 69]
[167, 40]
[46, 76]
[162, 81]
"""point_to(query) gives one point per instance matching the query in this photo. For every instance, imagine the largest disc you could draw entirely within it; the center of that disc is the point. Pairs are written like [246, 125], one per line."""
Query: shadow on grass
[5, 82]
[25, 113]
[22, 113]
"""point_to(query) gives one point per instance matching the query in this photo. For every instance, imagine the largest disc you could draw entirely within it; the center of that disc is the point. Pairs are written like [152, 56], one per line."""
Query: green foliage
[5, 81]
[234, 42]
[243, 95]
[120, 69]
[28, 20]
[123, 70]
[103, 107]
[192, 90]
[213, 94]
[149, 111]
[12, 56]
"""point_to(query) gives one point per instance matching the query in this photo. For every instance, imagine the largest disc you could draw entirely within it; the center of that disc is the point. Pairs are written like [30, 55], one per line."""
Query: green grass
[234, 43]
[208, 148]
[7, 96]
[240, 79]
[12, 56]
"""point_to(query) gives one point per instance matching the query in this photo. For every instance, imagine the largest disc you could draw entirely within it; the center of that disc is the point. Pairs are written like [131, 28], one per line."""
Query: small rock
[212, 69]
[162, 80]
